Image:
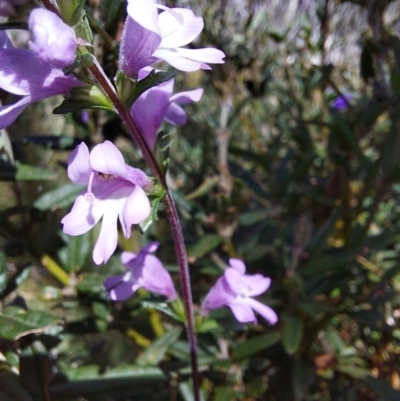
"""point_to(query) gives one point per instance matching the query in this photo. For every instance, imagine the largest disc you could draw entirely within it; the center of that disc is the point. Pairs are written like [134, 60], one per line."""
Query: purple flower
[23, 74]
[114, 191]
[148, 37]
[53, 41]
[143, 270]
[236, 289]
[158, 104]
[341, 102]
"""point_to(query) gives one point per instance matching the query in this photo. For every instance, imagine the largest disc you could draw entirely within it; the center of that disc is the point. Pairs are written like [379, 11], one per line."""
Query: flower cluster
[37, 73]
[114, 190]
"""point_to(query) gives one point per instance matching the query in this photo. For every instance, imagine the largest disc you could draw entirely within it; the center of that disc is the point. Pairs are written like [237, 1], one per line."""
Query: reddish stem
[172, 214]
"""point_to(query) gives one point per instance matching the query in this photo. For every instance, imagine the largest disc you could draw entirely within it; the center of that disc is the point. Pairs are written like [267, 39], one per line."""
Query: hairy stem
[172, 214]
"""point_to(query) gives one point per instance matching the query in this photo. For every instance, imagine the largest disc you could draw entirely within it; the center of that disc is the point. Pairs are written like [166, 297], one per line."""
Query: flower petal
[238, 265]
[127, 257]
[187, 97]
[108, 237]
[22, 73]
[54, 42]
[243, 312]
[149, 248]
[149, 111]
[179, 31]
[83, 216]
[138, 45]
[173, 58]
[155, 278]
[78, 165]
[120, 287]
[5, 42]
[220, 295]
[265, 311]
[107, 159]
[176, 115]
[136, 209]
[145, 13]
[255, 284]
[10, 112]
[205, 55]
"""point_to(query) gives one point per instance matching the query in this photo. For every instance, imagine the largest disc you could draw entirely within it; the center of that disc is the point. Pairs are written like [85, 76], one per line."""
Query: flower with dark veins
[115, 191]
[143, 271]
[236, 290]
[148, 37]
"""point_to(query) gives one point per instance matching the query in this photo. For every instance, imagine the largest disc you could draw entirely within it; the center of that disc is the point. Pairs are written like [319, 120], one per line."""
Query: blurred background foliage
[290, 162]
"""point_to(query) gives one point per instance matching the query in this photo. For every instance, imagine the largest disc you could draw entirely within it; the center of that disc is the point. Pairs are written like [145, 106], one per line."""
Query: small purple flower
[53, 41]
[158, 104]
[114, 191]
[341, 102]
[148, 37]
[236, 289]
[143, 271]
[23, 74]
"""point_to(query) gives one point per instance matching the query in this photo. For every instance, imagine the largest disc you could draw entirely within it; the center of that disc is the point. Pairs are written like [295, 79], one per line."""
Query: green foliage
[266, 169]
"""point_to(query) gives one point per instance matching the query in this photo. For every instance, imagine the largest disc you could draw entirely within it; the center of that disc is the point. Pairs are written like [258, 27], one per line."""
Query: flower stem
[172, 215]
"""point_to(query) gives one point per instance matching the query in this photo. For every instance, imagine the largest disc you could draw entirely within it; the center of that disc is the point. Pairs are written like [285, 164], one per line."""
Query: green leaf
[157, 350]
[84, 97]
[59, 197]
[91, 283]
[16, 323]
[77, 251]
[382, 389]
[162, 307]
[292, 333]
[153, 79]
[30, 173]
[255, 344]
[204, 188]
[206, 244]
[93, 373]
[71, 10]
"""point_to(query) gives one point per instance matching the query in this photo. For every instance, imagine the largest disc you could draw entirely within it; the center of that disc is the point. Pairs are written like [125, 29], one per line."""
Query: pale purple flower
[143, 271]
[53, 41]
[236, 290]
[158, 104]
[23, 74]
[114, 191]
[148, 37]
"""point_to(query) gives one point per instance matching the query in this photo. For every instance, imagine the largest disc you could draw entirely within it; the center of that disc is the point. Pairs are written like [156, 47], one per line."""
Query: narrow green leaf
[59, 197]
[204, 246]
[31, 173]
[77, 251]
[84, 97]
[16, 323]
[292, 333]
[255, 344]
[157, 350]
